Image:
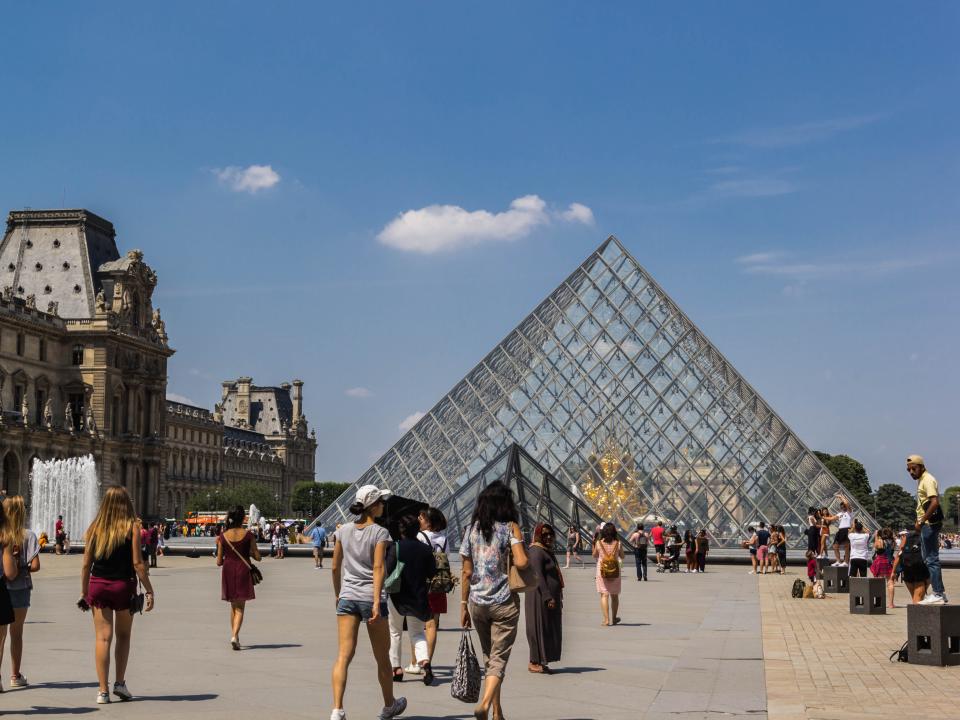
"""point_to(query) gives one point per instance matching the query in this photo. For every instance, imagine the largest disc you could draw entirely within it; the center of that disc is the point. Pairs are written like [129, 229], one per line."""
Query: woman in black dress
[544, 605]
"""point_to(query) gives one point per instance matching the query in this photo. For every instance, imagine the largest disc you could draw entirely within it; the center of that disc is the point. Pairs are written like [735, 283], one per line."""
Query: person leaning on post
[929, 523]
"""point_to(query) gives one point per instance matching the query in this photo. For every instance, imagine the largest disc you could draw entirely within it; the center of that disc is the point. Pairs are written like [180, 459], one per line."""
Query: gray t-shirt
[28, 552]
[357, 568]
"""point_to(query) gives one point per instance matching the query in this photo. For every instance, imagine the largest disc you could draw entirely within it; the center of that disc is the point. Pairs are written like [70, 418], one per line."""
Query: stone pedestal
[868, 596]
[821, 564]
[836, 580]
[933, 634]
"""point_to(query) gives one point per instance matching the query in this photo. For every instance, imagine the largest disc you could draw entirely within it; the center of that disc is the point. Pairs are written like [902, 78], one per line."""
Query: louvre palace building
[83, 371]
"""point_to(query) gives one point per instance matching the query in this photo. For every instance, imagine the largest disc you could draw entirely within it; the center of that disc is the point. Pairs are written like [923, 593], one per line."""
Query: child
[811, 566]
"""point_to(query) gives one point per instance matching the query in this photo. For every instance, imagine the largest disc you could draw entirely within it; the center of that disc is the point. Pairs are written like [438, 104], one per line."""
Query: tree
[244, 494]
[851, 474]
[323, 495]
[896, 508]
[951, 504]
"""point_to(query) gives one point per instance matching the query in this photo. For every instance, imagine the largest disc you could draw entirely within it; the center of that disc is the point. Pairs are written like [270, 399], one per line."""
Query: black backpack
[901, 655]
[911, 556]
[797, 590]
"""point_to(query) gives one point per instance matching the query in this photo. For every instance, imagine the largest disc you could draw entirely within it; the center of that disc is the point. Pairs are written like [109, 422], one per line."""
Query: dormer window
[11, 267]
[66, 266]
[76, 289]
[38, 267]
[47, 290]
[29, 243]
[56, 243]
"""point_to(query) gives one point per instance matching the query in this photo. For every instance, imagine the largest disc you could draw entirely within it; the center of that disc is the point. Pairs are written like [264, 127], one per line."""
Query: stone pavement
[689, 648]
[823, 663]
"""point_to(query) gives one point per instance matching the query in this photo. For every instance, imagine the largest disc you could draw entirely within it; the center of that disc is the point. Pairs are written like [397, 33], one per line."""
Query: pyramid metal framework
[614, 390]
[540, 497]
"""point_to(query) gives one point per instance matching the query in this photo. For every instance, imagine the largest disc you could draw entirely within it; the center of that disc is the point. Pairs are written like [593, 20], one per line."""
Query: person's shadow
[271, 646]
[199, 697]
[47, 710]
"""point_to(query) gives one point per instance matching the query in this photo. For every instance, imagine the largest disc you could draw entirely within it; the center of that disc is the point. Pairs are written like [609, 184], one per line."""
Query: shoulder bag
[467, 674]
[519, 580]
[255, 575]
[392, 584]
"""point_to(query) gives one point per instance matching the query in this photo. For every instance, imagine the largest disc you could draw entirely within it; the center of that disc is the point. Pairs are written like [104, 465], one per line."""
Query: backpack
[911, 556]
[442, 582]
[818, 590]
[902, 654]
[798, 586]
[392, 584]
[609, 567]
[807, 592]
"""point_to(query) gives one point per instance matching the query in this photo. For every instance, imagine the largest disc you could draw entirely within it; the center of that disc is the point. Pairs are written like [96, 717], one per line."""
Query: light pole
[311, 503]
[276, 503]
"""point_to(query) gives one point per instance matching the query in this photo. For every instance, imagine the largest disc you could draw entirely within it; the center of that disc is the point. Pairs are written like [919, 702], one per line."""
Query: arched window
[77, 355]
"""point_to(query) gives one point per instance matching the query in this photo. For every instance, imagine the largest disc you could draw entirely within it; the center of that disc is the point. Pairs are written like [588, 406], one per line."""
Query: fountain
[64, 487]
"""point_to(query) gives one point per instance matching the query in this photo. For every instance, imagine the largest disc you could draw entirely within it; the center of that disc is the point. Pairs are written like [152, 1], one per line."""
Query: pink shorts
[761, 553]
[111, 594]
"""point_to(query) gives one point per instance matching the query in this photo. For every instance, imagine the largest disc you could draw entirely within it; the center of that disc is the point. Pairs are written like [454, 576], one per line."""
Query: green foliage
[851, 474]
[896, 508]
[223, 498]
[950, 505]
[324, 493]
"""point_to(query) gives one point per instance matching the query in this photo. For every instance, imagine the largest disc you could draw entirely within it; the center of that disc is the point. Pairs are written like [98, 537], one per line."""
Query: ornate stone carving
[8, 293]
[101, 302]
[91, 422]
[48, 414]
[25, 411]
[68, 418]
[31, 302]
[159, 326]
[53, 308]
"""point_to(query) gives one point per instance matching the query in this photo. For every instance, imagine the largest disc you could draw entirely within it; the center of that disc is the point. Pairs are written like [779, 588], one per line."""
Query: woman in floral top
[487, 603]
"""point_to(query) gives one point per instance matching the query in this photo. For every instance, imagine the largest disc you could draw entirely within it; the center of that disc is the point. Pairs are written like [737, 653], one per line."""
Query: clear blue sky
[789, 173]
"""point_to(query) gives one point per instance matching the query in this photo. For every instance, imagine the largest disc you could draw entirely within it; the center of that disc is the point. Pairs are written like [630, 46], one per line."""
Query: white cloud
[753, 187]
[799, 134]
[183, 399]
[777, 265]
[358, 392]
[760, 257]
[250, 179]
[438, 228]
[578, 213]
[410, 421]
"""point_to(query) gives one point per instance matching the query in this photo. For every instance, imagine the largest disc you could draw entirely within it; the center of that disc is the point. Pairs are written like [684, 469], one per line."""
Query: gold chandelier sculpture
[609, 483]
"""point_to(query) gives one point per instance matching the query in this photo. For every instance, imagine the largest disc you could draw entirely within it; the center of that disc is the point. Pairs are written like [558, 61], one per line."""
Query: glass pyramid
[612, 389]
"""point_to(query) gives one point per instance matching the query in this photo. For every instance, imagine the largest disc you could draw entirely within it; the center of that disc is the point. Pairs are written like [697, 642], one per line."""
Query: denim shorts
[19, 598]
[360, 608]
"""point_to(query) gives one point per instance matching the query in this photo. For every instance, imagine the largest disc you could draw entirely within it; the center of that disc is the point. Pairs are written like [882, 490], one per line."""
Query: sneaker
[120, 690]
[399, 705]
[103, 698]
[933, 599]
[413, 669]
[843, 564]
[338, 714]
[751, 572]
[18, 681]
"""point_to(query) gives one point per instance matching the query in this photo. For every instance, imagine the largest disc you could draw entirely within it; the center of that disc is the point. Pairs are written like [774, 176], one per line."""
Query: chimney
[226, 384]
[297, 399]
[242, 415]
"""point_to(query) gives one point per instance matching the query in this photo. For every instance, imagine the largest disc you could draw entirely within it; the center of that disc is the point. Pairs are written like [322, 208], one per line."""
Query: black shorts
[917, 574]
[841, 537]
[659, 548]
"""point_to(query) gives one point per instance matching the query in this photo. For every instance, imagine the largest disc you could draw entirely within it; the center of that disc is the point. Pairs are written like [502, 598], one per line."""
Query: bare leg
[123, 627]
[568, 560]
[16, 639]
[604, 599]
[615, 599]
[846, 553]
[379, 633]
[890, 588]
[3, 639]
[491, 697]
[433, 624]
[103, 630]
[347, 627]
[236, 617]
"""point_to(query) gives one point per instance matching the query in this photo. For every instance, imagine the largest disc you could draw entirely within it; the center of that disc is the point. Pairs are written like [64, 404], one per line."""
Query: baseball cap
[915, 460]
[369, 494]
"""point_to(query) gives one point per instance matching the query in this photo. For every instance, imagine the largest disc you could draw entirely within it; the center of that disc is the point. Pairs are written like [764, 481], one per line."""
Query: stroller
[670, 560]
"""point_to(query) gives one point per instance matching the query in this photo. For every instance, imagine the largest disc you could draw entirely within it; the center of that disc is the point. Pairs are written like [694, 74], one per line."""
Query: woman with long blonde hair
[112, 562]
[27, 559]
[8, 549]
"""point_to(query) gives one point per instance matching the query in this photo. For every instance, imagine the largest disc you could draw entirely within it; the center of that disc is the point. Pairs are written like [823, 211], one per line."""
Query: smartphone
[83, 604]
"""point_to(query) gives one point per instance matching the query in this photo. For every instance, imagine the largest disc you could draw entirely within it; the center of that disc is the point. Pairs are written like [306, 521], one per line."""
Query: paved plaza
[689, 648]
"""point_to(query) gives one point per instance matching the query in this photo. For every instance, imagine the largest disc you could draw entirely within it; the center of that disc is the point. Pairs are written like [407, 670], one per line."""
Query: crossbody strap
[236, 552]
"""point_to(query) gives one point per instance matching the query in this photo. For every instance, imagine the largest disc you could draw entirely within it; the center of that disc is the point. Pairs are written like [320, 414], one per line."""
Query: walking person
[543, 606]
[20, 588]
[782, 549]
[236, 546]
[860, 550]
[490, 544]
[574, 544]
[656, 534]
[883, 549]
[409, 603]
[59, 536]
[433, 532]
[358, 570]
[318, 537]
[929, 522]
[702, 548]
[689, 551]
[112, 563]
[9, 571]
[608, 552]
[639, 539]
[153, 543]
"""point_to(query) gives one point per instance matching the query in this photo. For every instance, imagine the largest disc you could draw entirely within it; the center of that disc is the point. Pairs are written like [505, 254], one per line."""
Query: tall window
[21, 342]
[77, 357]
[43, 350]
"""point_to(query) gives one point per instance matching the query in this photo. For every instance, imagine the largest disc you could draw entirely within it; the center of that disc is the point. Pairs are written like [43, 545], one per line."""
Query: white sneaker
[834, 564]
[103, 698]
[399, 705]
[751, 572]
[933, 599]
[18, 681]
[338, 714]
[120, 690]
[843, 564]
[413, 669]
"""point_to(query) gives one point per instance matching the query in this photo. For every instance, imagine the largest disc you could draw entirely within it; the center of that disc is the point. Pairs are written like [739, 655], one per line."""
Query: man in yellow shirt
[929, 522]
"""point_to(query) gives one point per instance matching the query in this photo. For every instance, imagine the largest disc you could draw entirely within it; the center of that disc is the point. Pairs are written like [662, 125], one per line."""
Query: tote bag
[467, 674]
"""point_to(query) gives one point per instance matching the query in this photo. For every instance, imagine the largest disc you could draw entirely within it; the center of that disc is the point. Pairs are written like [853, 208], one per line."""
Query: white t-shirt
[844, 519]
[859, 546]
[436, 540]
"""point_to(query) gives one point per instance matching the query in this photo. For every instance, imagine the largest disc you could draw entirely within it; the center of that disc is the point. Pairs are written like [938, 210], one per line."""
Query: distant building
[255, 434]
[83, 353]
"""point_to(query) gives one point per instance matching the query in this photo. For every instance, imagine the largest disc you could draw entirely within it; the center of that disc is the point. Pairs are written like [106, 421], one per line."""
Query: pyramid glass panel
[623, 410]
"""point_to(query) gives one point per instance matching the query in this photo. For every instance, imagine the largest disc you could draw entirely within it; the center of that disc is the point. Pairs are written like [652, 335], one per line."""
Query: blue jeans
[930, 547]
[360, 608]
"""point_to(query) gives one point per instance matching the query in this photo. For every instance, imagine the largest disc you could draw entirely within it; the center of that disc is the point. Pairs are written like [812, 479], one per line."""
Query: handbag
[256, 577]
[137, 600]
[520, 580]
[392, 584]
[467, 674]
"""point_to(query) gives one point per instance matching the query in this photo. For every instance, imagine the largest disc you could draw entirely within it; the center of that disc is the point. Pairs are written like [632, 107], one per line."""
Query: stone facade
[83, 353]
[255, 434]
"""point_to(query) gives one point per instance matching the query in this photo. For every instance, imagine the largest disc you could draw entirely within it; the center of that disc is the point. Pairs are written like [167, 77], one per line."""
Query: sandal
[534, 668]
[398, 674]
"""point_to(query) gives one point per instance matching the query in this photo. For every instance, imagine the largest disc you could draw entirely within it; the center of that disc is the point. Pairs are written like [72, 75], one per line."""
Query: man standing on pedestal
[929, 522]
